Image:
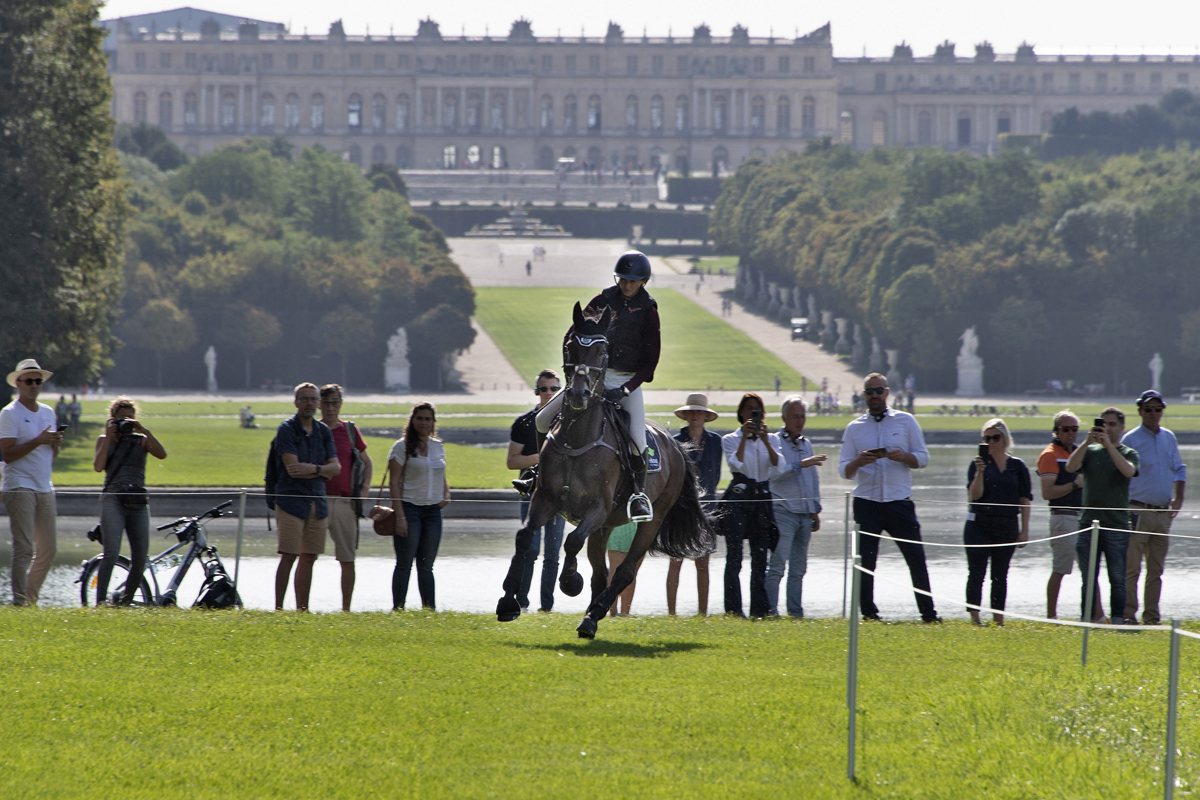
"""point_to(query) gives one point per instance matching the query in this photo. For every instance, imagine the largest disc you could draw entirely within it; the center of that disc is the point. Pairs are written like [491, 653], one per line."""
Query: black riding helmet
[633, 265]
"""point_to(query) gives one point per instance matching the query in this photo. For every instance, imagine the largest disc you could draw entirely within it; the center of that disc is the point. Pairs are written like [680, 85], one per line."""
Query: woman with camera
[1000, 491]
[124, 506]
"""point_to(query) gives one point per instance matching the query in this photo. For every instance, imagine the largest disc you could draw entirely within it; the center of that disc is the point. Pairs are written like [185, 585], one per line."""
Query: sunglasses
[876, 390]
[1068, 428]
[544, 389]
[993, 437]
[31, 381]
[1153, 409]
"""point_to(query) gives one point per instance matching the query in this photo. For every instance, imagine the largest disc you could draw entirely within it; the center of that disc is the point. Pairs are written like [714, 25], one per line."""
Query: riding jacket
[634, 339]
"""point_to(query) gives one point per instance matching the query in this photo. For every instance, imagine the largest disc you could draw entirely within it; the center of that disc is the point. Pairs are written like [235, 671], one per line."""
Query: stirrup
[641, 517]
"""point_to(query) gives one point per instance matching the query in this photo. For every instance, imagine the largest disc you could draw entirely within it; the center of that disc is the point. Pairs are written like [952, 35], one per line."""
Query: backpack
[273, 473]
[358, 468]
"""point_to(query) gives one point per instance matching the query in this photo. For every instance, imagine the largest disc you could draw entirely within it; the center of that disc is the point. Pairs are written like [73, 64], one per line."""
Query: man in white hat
[29, 443]
[706, 454]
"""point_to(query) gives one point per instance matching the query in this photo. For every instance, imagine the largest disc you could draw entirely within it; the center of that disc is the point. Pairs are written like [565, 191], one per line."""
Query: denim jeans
[115, 520]
[424, 536]
[554, 531]
[795, 531]
[1112, 546]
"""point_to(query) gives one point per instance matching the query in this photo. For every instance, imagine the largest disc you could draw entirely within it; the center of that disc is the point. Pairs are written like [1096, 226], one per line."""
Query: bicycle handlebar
[214, 512]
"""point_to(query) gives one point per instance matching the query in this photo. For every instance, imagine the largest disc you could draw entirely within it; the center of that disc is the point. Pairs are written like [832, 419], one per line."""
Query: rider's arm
[651, 350]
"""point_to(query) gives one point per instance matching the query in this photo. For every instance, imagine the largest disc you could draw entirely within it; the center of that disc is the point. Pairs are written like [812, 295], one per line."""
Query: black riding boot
[526, 485]
[639, 507]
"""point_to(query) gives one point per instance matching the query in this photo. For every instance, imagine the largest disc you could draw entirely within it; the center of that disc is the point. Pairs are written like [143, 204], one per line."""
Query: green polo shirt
[1104, 486]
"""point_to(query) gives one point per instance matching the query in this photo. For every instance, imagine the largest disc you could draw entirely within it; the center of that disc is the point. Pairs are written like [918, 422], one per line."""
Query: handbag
[130, 495]
[382, 517]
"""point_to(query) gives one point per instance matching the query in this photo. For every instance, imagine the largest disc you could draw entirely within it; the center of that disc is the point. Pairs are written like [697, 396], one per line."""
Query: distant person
[305, 446]
[620, 539]
[1064, 492]
[1106, 465]
[29, 444]
[797, 507]
[76, 409]
[246, 416]
[752, 453]
[704, 448]
[124, 507]
[524, 447]
[880, 450]
[1001, 491]
[346, 491]
[1156, 495]
[777, 384]
[62, 412]
[528, 268]
[418, 481]
[502, 258]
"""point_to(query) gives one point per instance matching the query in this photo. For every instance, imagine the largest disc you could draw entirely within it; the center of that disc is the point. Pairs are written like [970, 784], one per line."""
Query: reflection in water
[475, 555]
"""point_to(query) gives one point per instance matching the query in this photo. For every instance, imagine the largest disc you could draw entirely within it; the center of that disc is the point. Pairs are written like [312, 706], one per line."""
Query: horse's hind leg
[603, 600]
[540, 512]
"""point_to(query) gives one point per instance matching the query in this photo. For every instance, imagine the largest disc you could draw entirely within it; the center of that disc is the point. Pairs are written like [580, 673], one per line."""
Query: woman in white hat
[704, 447]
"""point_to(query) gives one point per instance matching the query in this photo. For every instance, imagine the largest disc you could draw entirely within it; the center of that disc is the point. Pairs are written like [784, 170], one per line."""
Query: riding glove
[616, 395]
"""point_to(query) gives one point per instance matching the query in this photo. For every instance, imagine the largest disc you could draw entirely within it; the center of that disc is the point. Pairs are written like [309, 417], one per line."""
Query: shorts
[343, 529]
[621, 538]
[1063, 548]
[301, 536]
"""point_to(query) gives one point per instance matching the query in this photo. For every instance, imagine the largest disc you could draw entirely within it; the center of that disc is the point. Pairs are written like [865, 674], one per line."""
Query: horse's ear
[577, 315]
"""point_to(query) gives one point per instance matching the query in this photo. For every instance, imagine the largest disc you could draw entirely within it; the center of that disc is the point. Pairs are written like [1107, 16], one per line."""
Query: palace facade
[683, 103]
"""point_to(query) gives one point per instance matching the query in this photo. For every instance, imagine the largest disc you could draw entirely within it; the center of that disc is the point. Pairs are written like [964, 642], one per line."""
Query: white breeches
[633, 405]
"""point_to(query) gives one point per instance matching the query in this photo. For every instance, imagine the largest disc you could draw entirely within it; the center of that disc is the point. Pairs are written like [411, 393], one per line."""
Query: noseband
[596, 384]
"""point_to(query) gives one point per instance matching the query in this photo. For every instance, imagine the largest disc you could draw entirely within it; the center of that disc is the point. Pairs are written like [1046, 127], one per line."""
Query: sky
[872, 27]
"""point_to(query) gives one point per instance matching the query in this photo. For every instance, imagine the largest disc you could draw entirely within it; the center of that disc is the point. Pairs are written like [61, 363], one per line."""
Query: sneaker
[872, 617]
[543, 611]
[934, 620]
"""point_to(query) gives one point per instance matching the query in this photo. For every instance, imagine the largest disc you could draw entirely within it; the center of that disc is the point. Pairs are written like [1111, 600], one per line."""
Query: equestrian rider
[634, 344]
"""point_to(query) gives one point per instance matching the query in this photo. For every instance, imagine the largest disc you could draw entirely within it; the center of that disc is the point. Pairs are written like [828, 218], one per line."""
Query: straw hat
[697, 402]
[28, 365]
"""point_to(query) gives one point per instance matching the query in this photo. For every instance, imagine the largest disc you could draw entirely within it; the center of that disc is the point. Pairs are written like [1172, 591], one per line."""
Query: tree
[249, 328]
[344, 332]
[327, 196]
[1018, 327]
[149, 141]
[62, 204]
[1118, 329]
[162, 327]
[440, 331]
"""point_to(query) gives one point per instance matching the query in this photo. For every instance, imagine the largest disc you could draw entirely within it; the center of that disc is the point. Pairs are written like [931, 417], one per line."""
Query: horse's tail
[688, 531]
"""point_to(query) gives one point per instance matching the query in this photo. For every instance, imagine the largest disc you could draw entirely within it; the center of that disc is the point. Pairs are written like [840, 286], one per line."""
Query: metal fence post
[1172, 710]
[237, 559]
[845, 553]
[1091, 578]
[852, 675]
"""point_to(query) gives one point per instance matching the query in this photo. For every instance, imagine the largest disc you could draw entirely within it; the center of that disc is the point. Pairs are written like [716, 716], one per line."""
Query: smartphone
[878, 451]
[62, 428]
[1098, 422]
[983, 451]
[756, 418]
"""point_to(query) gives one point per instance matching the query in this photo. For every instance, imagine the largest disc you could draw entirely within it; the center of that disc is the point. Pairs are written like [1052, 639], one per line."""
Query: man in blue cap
[1155, 495]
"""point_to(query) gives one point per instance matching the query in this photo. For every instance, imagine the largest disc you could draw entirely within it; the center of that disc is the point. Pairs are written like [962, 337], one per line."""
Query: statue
[842, 347]
[812, 310]
[894, 378]
[1156, 367]
[859, 351]
[773, 301]
[876, 363]
[970, 366]
[210, 361]
[828, 331]
[397, 372]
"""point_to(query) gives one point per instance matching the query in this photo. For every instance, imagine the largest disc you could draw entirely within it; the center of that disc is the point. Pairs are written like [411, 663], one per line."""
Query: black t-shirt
[1007, 487]
[524, 432]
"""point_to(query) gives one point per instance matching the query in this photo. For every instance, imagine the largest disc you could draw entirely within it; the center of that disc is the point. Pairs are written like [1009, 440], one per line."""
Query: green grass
[148, 704]
[698, 349]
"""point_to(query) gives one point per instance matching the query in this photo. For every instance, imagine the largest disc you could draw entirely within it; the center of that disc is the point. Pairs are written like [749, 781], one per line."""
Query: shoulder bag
[384, 518]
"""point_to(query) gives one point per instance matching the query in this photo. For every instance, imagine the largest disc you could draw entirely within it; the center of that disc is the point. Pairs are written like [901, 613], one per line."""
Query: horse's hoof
[571, 584]
[508, 609]
[587, 628]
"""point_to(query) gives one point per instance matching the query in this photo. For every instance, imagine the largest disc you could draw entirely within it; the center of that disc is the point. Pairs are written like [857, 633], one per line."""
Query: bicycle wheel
[116, 584]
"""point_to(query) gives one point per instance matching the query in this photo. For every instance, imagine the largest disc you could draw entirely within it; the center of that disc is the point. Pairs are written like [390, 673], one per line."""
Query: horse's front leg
[569, 580]
[603, 600]
[540, 512]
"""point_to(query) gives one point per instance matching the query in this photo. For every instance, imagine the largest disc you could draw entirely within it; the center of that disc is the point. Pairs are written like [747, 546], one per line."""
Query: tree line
[1078, 269]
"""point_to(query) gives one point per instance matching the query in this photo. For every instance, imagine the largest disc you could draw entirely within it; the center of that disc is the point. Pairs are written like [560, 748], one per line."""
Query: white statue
[210, 361]
[970, 366]
[397, 371]
[1156, 367]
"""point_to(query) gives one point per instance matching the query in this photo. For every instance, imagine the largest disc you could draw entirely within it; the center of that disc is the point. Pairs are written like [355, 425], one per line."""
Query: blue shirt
[1161, 465]
[316, 447]
[799, 488]
[707, 458]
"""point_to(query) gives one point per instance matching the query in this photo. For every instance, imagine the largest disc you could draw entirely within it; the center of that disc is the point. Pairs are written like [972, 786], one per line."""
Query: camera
[126, 426]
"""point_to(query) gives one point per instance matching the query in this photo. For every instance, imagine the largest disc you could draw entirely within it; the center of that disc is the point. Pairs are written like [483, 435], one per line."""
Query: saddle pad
[653, 462]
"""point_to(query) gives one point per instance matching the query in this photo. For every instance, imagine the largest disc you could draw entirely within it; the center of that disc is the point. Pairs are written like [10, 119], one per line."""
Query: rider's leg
[545, 417]
[640, 508]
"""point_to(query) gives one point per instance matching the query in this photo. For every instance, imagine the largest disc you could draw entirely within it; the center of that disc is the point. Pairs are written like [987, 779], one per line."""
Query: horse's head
[585, 358]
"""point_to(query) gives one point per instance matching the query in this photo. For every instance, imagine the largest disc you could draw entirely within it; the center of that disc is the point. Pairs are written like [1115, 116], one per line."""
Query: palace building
[685, 103]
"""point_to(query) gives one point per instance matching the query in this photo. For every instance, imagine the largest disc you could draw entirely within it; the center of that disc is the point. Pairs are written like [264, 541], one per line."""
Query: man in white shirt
[880, 449]
[29, 443]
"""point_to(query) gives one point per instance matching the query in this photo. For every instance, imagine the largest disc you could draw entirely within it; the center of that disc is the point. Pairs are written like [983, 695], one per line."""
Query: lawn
[698, 351]
[421, 705]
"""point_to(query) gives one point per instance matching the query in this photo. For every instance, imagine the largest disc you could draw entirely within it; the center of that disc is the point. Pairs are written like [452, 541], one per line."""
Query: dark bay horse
[584, 464]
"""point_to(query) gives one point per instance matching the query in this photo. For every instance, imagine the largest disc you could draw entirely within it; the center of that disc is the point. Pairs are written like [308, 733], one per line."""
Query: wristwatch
[316, 474]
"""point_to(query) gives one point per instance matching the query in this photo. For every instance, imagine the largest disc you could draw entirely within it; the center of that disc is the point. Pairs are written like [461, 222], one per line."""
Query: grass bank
[419, 705]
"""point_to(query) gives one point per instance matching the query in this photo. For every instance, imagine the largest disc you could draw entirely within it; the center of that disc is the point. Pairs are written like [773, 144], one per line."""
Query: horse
[584, 468]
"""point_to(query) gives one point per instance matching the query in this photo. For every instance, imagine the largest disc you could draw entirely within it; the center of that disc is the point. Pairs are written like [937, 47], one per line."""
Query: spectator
[418, 465]
[704, 448]
[1106, 465]
[619, 541]
[62, 412]
[880, 449]
[753, 456]
[76, 409]
[797, 507]
[124, 507]
[1064, 492]
[247, 418]
[1156, 495]
[29, 444]
[305, 446]
[523, 448]
[346, 490]
[1000, 491]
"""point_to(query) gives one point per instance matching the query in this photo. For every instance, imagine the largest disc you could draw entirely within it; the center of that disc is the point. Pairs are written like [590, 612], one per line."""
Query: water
[475, 554]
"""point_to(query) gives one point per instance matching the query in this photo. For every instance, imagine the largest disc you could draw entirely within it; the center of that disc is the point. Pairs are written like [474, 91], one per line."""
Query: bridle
[594, 385]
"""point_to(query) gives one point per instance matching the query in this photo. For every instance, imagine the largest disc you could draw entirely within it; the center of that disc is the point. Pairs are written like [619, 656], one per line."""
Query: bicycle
[217, 591]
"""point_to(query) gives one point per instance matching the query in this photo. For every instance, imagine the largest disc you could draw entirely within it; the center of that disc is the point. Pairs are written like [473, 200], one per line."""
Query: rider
[633, 348]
